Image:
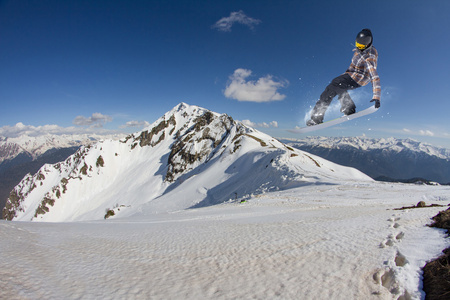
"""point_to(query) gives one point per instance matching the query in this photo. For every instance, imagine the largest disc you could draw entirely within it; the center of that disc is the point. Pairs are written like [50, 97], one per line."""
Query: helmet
[364, 39]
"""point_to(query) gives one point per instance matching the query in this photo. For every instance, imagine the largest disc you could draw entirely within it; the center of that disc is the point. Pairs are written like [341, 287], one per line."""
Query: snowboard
[333, 122]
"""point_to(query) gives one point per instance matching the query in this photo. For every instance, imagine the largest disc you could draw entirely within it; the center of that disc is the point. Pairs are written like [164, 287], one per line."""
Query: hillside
[25, 154]
[12, 171]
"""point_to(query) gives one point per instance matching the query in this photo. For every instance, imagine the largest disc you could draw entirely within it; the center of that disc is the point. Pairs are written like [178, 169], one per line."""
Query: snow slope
[340, 240]
[190, 157]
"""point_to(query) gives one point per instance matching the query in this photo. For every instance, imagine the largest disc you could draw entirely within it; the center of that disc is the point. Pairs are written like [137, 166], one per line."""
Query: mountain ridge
[25, 154]
[365, 143]
[401, 159]
[35, 146]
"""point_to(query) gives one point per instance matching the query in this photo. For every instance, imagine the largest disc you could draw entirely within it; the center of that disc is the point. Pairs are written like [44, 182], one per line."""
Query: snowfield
[336, 240]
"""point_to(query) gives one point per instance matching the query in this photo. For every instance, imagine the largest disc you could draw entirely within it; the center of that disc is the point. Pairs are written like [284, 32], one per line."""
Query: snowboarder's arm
[371, 63]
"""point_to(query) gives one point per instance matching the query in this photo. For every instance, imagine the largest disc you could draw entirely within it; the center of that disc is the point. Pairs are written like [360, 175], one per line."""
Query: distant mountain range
[389, 159]
[190, 157]
[27, 154]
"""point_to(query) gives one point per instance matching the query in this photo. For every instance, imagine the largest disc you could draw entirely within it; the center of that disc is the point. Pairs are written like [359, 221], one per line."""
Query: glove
[377, 102]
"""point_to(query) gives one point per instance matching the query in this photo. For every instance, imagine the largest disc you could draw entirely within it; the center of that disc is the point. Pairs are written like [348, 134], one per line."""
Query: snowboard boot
[314, 121]
[349, 110]
[311, 122]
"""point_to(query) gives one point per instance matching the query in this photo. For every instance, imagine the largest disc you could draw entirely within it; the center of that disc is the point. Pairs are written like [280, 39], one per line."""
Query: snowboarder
[362, 70]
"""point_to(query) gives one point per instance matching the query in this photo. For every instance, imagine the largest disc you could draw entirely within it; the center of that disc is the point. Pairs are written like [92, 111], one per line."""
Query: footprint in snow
[386, 277]
[394, 237]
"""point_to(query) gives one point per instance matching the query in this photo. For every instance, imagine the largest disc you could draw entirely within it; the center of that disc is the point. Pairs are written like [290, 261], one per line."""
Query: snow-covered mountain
[391, 158]
[190, 157]
[35, 146]
[26, 154]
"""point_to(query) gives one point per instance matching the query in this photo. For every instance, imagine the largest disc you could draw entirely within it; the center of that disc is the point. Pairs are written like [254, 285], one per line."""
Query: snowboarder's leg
[322, 104]
[338, 86]
[348, 107]
[344, 83]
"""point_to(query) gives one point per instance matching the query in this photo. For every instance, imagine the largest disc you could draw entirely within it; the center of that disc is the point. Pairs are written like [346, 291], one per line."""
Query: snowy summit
[190, 157]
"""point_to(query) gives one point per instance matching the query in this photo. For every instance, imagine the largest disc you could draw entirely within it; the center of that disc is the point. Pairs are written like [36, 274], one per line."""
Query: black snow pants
[338, 86]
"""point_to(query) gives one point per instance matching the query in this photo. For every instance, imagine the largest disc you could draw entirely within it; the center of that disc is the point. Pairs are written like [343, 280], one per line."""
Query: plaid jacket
[363, 69]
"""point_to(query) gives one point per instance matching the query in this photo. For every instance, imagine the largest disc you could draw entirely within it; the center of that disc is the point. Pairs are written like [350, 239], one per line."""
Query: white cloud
[20, 129]
[135, 124]
[226, 23]
[426, 132]
[420, 132]
[260, 125]
[97, 120]
[262, 90]
[273, 124]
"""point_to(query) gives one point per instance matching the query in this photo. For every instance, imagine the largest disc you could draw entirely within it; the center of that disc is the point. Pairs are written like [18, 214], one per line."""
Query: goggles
[360, 46]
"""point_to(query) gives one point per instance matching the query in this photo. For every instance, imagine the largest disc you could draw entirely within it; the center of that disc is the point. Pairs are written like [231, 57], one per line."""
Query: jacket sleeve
[371, 63]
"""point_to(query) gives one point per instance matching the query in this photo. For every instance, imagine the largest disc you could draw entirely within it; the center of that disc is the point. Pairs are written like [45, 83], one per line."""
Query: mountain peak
[189, 157]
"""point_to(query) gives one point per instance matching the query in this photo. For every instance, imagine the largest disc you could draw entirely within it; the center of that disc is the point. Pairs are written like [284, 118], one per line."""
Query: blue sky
[118, 65]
